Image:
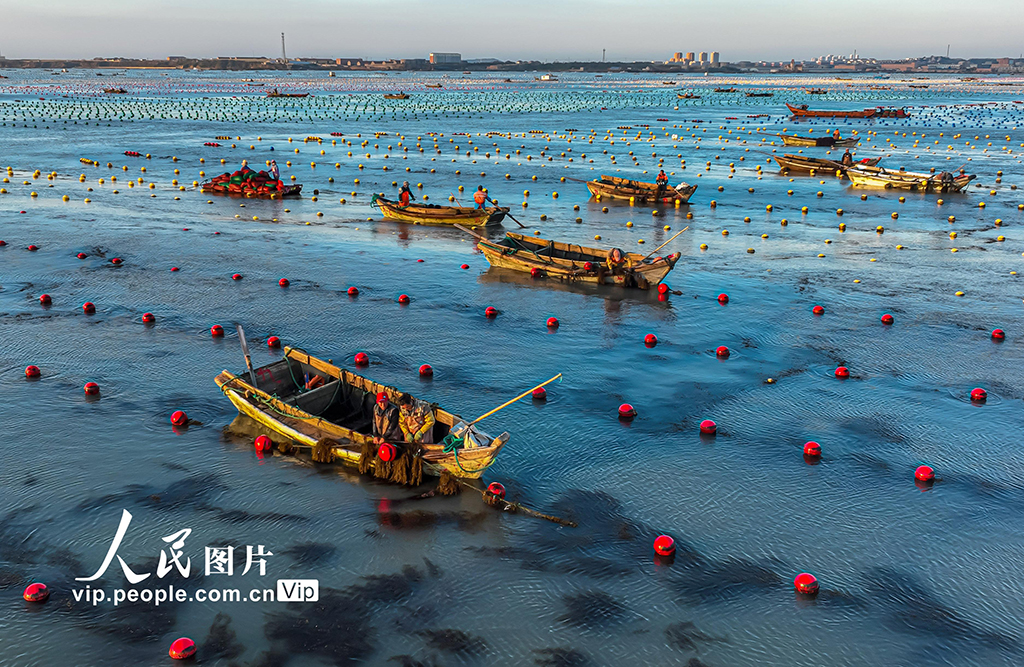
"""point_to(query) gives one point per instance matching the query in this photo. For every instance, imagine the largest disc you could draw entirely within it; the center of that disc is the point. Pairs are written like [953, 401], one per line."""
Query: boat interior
[545, 248]
[336, 401]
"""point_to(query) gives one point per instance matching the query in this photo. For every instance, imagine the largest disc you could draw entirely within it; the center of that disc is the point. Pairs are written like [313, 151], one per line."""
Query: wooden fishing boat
[396, 96]
[638, 191]
[277, 93]
[816, 91]
[687, 96]
[429, 214]
[889, 112]
[339, 414]
[566, 262]
[827, 141]
[115, 91]
[434, 85]
[760, 94]
[726, 90]
[878, 177]
[802, 110]
[791, 162]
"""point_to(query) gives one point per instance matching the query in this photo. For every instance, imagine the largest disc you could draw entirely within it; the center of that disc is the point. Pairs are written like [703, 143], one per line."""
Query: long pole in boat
[245, 351]
[520, 396]
[667, 242]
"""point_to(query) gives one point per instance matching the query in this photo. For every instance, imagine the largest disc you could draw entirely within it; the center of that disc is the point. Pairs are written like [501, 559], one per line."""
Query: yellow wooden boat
[812, 165]
[638, 191]
[568, 262]
[877, 177]
[826, 141]
[340, 412]
[421, 214]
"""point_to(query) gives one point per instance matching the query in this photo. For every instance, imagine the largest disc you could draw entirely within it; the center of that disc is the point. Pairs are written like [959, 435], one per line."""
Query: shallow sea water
[908, 574]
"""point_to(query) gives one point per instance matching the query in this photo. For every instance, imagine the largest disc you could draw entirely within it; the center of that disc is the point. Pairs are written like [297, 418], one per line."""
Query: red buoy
[45, 299]
[387, 452]
[3, 243]
[273, 341]
[33, 248]
[842, 372]
[979, 395]
[419, 261]
[182, 649]
[708, 427]
[924, 474]
[490, 312]
[552, 323]
[283, 282]
[588, 266]
[353, 291]
[426, 371]
[627, 411]
[535, 272]
[179, 418]
[664, 545]
[216, 331]
[496, 489]
[32, 371]
[403, 299]
[806, 584]
[81, 255]
[650, 340]
[362, 359]
[998, 334]
[174, 268]
[722, 352]
[36, 593]
[116, 260]
[887, 319]
[812, 448]
[92, 389]
[818, 310]
[148, 318]
[236, 276]
[662, 288]
[89, 307]
[540, 394]
[723, 298]
[464, 266]
[262, 443]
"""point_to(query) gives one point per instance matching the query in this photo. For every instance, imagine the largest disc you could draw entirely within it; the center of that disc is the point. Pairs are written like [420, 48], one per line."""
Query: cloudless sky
[511, 29]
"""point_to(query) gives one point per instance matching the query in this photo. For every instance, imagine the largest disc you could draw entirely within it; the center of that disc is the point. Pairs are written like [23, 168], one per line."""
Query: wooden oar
[469, 231]
[507, 213]
[508, 403]
[666, 242]
[245, 351]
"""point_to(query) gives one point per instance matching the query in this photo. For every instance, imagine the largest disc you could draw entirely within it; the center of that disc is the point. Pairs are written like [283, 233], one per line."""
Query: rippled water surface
[909, 574]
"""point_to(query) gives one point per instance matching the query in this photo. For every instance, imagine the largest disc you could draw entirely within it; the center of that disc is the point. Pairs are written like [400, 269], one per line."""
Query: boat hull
[624, 189]
[813, 165]
[799, 111]
[440, 215]
[875, 177]
[527, 257]
[287, 421]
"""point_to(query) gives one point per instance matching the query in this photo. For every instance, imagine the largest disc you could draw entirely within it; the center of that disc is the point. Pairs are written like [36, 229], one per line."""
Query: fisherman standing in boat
[416, 420]
[847, 160]
[275, 171]
[662, 183]
[405, 194]
[480, 197]
[385, 421]
[835, 135]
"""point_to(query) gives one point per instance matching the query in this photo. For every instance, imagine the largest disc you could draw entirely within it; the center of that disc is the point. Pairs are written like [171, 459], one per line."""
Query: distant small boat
[816, 91]
[760, 94]
[802, 110]
[687, 96]
[813, 164]
[434, 85]
[639, 191]
[115, 91]
[396, 96]
[827, 141]
[429, 214]
[276, 93]
[549, 77]
[726, 90]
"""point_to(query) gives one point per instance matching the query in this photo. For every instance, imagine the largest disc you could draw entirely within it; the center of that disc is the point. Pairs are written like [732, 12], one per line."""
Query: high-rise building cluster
[690, 59]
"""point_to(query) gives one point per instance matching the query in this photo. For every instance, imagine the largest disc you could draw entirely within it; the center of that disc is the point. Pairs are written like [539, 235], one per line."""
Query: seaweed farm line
[857, 323]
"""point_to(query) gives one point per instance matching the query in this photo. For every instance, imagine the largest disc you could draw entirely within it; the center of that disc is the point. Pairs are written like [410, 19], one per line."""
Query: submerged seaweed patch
[454, 641]
[685, 636]
[221, 641]
[310, 553]
[560, 657]
[593, 609]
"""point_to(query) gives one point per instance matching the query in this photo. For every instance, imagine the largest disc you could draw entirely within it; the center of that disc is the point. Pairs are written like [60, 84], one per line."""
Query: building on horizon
[689, 57]
[715, 58]
[445, 58]
[677, 57]
[703, 57]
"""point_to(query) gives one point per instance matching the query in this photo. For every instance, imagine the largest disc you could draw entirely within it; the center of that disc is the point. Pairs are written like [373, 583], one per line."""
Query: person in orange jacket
[480, 197]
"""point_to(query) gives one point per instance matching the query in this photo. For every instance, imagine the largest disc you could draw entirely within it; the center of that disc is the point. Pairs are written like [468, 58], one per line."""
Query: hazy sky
[511, 29]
